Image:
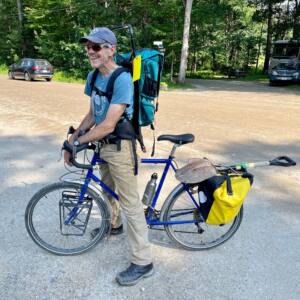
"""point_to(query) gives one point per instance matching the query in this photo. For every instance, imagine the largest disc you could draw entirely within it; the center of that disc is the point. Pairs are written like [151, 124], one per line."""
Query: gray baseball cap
[100, 35]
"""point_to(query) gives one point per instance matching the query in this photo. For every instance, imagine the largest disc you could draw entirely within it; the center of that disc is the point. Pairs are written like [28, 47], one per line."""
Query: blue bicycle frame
[151, 218]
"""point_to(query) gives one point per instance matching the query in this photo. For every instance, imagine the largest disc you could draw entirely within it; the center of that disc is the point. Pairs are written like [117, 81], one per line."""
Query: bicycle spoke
[194, 234]
[46, 215]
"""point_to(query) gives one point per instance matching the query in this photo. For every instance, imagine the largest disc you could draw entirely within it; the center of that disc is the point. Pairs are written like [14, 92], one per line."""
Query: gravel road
[232, 121]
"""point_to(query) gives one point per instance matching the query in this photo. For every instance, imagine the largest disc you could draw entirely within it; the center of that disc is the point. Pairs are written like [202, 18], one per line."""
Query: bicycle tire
[179, 233]
[94, 220]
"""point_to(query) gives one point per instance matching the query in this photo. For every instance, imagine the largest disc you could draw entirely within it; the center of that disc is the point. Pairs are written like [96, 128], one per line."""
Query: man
[102, 119]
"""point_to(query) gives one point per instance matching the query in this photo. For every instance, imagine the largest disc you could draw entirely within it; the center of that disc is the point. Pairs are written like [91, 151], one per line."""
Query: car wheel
[272, 83]
[27, 76]
[11, 75]
[48, 79]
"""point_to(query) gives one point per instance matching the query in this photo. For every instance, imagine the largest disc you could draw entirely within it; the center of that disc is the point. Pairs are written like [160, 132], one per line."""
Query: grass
[294, 87]
[64, 77]
[256, 77]
[182, 86]
[3, 69]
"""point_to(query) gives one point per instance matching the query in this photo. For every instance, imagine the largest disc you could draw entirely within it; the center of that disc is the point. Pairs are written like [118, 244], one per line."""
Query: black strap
[111, 82]
[133, 142]
[94, 76]
[228, 185]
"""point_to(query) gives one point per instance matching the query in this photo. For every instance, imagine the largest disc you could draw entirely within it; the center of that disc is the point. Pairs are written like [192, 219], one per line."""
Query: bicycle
[60, 217]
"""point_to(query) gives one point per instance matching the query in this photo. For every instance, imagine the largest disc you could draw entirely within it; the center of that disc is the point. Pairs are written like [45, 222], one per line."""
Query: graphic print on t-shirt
[100, 105]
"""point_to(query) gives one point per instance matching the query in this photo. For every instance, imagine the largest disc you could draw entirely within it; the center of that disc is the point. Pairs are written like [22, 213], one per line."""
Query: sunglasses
[97, 47]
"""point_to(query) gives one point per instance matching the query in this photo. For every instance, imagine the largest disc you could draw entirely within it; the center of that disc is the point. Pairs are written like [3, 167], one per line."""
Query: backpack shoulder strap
[110, 85]
[111, 82]
[94, 76]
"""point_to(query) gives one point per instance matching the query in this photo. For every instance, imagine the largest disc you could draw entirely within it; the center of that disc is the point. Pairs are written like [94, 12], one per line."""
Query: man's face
[99, 54]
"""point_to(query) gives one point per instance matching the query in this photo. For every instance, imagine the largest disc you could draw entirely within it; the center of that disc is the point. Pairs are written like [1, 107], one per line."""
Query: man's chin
[95, 64]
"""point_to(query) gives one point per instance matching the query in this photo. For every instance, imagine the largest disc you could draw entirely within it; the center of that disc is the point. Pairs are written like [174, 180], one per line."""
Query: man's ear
[114, 49]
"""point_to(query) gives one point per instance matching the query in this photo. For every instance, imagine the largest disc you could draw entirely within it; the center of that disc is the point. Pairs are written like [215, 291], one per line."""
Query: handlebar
[282, 161]
[73, 149]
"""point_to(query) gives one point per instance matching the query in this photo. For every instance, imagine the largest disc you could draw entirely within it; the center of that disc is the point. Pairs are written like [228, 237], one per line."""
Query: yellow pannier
[224, 195]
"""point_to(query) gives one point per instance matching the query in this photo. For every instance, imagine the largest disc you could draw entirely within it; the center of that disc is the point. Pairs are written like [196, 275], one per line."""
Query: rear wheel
[48, 79]
[196, 235]
[27, 76]
[48, 209]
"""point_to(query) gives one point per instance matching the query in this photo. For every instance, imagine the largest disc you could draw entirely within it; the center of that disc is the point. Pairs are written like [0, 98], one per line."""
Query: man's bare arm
[114, 114]
[87, 123]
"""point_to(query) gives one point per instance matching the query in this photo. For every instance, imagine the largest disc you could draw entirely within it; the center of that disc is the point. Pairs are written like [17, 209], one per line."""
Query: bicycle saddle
[177, 139]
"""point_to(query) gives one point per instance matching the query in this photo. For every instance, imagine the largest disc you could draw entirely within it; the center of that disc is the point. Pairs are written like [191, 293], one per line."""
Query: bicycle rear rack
[78, 225]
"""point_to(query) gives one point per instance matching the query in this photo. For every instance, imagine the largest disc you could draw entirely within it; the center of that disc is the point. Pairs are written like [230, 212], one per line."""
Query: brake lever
[71, 130]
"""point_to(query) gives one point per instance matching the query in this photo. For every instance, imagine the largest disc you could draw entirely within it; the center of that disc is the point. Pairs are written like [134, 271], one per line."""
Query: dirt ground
[232, 121]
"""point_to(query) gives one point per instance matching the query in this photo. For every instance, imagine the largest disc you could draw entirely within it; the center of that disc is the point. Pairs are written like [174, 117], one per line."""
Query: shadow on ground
[241, 86]
[265, 242]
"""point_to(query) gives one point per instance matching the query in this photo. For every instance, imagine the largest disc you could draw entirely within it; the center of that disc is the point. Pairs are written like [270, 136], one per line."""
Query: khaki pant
[119, 176]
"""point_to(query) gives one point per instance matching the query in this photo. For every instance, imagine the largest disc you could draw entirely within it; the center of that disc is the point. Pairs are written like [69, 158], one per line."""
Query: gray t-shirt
[122, 94]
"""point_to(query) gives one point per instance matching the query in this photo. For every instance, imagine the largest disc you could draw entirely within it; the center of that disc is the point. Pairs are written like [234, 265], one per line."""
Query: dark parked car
[285, 73]
[29, 69]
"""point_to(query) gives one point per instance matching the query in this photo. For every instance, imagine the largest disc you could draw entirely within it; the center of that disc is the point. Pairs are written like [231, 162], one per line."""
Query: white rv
[285, 52]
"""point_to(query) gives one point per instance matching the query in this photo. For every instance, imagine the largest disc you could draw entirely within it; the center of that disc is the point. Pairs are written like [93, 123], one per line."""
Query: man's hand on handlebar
[67, 158]
[68, 145]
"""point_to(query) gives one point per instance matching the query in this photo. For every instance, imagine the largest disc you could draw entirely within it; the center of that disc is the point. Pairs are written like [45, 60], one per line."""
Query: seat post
[174, 149]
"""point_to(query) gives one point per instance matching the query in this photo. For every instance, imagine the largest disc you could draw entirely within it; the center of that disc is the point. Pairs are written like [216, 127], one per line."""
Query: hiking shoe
[134, 273]
[113, 231]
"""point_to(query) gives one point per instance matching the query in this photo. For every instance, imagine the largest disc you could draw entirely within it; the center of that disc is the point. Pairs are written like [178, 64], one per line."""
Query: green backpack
[147, 88]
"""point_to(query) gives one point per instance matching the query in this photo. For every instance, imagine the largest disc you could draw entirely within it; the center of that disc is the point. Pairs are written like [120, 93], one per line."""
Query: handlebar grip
[73, 150]
[71, 130]
[80, 166]
[282, 161]
[68, 147]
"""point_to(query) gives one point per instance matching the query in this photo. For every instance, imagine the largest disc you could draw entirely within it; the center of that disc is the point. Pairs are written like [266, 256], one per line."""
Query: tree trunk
[185, 41]
[194, 69]
[172, 70]
[296, 27]
[269, 38]
[214, 63]
[20, 11]
[259, 46]
[21, 20]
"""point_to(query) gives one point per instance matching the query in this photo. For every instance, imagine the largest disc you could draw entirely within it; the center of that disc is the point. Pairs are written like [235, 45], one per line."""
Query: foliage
[3, 69]
[66, 77]
[224, 33]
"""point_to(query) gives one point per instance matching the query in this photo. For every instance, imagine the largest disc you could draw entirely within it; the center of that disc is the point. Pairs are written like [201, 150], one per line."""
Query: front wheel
[11, 75]
[48, 210]
[272, 83]
[196, 235]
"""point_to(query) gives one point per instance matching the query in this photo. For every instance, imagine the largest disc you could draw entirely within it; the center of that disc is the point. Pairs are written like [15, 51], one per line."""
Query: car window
[42, 63]
[24, 63]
